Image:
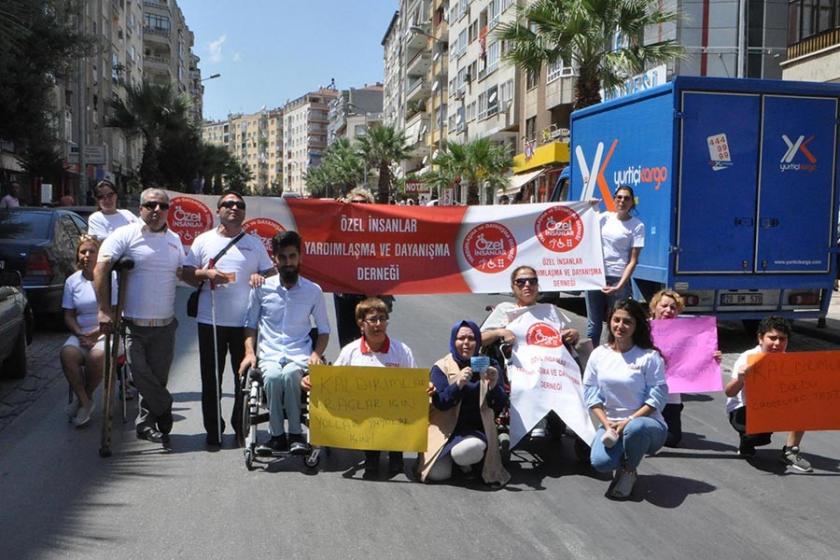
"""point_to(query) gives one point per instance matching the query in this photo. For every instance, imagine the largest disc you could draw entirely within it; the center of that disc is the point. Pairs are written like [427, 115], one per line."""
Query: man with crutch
[221, 263]
[149, 313]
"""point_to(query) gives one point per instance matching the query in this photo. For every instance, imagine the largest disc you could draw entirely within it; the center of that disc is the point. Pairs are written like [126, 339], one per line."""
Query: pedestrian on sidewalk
[282, 310]
[773, 336]
[226, 260]
[624, 386]
[149, 313]
[83, 353]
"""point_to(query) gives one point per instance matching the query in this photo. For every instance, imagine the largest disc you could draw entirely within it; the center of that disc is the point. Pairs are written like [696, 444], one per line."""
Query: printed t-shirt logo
[543, 334]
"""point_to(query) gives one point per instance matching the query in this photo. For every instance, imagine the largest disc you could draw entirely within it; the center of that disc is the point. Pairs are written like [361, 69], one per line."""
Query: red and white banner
[385, 249]
[544, 377]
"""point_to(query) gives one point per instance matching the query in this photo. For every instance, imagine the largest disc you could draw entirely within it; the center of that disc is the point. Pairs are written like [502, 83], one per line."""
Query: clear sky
[271, 51]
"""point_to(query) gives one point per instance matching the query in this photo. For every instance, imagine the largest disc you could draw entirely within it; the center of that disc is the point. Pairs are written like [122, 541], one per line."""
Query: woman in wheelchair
[525, 286]
[83, 354]
[467, 397]
[374, 349]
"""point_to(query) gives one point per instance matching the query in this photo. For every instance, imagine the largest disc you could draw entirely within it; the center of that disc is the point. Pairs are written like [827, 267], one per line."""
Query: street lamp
[211, 77]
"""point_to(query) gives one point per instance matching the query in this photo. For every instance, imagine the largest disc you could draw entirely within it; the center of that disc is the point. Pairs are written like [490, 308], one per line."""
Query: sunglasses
[521, 282]
[106, 195]
[233, 204]
[154, 205]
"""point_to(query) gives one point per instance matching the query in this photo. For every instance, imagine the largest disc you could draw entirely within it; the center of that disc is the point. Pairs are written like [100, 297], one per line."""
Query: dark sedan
[40, 243]
[16, 324]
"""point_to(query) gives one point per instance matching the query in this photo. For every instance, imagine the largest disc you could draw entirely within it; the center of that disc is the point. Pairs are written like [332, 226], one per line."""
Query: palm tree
[341, 169]
[381, 147]
[480, 162]
[583, 33]
[150, 111]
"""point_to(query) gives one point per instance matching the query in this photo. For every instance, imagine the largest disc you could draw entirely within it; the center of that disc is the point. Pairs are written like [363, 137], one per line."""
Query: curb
[828, 333]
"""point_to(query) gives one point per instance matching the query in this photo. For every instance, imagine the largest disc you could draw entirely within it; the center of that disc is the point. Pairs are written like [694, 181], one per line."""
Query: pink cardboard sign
[688, 345]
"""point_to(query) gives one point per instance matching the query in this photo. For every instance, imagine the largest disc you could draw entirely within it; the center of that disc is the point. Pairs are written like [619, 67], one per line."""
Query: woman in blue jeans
[624, 386]
[622, 239]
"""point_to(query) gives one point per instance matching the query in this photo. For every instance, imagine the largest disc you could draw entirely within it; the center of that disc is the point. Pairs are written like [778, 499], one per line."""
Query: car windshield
[25, 225]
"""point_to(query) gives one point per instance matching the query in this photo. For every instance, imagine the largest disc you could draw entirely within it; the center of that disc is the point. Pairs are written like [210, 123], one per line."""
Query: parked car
[83, 212]
[16, 325]
[40, 243]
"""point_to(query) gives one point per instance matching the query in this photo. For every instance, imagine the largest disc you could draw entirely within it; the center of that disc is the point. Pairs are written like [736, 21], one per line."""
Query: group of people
[255, 309]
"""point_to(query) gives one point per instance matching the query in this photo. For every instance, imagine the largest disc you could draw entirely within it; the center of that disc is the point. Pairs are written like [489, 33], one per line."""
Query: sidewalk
[831, 331]
[44, 368]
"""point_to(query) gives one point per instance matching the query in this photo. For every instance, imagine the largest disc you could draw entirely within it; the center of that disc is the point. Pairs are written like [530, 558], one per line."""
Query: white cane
[216, 360]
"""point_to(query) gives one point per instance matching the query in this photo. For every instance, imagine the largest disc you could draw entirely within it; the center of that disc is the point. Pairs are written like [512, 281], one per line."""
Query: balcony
[157, 61]
[814, 43]
[414, 41]
[156, 34]
[417, 129]
[157, 4]
[417, 89]
[419, 64]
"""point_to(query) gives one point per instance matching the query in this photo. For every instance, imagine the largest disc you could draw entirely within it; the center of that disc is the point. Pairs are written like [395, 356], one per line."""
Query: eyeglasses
[376, 320]
[233, 204]
[151, 205]
[521, 282]
[622, 197]
[106, 195]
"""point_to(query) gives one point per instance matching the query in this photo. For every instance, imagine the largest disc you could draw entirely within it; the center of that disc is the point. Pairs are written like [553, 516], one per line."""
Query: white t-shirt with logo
[617, 239]
[505, 312]
[393, 354]
[101, 225]
[244, 258]
[79, 294]
[739, 400]
[150, 285]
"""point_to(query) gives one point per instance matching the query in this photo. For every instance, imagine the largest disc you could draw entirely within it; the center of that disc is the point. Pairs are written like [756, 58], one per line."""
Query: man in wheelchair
[277, 325]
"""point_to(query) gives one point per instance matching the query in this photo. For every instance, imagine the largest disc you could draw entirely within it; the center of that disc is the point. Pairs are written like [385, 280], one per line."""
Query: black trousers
[672, 413]
[738, 420]
[229, 340]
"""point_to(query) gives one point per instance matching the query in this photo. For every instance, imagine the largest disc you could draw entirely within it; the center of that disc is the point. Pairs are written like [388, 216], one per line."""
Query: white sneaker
[83, 415]
[72, 408]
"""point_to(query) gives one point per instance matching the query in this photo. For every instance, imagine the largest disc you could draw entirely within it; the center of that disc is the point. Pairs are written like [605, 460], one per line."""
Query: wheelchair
[255, 412]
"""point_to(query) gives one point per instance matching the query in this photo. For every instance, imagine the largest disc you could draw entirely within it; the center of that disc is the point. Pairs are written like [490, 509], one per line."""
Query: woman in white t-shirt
[624, 387]
[622, 239]
[109, 217]
[85, 347]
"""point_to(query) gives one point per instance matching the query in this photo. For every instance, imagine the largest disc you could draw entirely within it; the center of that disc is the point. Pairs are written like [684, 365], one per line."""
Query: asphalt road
[58, 499]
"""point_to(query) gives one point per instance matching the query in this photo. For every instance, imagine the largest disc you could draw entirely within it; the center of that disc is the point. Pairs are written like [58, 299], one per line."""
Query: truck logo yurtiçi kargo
[801, 145]
[633, 175]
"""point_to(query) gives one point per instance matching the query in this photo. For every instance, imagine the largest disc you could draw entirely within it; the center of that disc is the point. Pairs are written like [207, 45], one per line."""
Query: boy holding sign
[773, 335]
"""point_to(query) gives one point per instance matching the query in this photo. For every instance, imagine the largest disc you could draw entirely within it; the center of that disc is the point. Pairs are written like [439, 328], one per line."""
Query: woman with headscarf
[462, 427]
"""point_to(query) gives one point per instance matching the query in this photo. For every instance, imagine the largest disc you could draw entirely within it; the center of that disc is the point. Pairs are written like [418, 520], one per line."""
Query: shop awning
[518, 181]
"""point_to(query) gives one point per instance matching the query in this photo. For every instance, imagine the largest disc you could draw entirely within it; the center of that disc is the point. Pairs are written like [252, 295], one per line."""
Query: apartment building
[354, 111]
[482, 87]
[813, 41]
[255, 139]
[305, 121]
[415, 20]
[439, 77]
[393, 93]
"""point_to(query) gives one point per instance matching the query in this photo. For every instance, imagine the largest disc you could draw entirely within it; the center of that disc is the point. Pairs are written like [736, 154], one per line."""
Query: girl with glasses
[108, 218]
[622, 240]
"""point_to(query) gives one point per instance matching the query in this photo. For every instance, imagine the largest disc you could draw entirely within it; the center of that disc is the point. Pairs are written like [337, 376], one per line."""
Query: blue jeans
[641, 436]
[282, 390]
[598, 305]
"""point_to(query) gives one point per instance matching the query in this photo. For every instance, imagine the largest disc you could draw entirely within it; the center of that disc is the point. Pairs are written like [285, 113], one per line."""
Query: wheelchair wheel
[312, 459]
[249, 459]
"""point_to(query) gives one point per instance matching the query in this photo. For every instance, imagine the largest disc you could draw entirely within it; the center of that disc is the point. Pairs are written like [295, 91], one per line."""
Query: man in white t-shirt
[282, 311]
[773, 335]
[149, 312]
[224, 284]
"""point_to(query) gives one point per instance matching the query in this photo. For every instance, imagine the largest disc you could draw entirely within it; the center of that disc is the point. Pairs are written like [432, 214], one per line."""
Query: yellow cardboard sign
[369, 408]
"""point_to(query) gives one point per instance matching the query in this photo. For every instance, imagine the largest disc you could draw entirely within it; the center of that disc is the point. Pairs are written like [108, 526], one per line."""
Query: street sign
[94, 155]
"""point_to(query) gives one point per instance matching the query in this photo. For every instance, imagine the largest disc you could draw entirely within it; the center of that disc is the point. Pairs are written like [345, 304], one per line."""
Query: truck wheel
[15, 365]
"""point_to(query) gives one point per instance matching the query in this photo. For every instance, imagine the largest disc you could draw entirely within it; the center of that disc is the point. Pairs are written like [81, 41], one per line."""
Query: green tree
[477, 163]
[382, 147]
[38, 45]
[341, 169]
[154, 113]
[584, 33]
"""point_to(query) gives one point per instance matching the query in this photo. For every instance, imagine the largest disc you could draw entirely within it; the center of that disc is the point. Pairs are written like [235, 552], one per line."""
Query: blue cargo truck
[736, 182]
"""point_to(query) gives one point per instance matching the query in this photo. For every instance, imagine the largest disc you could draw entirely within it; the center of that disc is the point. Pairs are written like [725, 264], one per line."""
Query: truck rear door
[717, 184]
[795, 198]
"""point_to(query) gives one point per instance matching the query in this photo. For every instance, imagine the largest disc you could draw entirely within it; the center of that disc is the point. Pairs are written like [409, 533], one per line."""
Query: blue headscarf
[461, 361]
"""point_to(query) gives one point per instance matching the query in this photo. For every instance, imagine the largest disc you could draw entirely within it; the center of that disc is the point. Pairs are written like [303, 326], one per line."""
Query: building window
[811, 17]
[530, 128]
[494, 53]
[471, 111]
[158, 23]
[473, 30]
[531, 78]
[494, 12]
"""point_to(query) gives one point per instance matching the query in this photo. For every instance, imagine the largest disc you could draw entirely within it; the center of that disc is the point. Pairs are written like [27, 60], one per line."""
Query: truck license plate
[741, 299]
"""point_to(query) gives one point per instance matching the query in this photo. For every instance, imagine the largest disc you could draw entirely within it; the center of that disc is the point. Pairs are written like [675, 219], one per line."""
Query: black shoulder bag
[192, 302]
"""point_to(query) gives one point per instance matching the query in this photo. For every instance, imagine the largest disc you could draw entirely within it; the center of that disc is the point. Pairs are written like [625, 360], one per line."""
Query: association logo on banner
[543, 334]
[490, 248]
[265, 229]
[189, 218]
[559, 229]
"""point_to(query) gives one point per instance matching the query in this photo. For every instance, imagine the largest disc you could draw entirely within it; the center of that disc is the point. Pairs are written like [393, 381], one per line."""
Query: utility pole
[82, 114]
